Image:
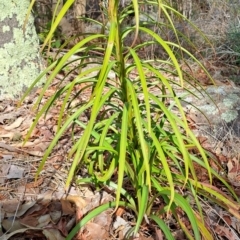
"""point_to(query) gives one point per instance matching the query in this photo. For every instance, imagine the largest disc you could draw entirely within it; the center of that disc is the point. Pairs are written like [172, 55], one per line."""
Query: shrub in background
[233, 40]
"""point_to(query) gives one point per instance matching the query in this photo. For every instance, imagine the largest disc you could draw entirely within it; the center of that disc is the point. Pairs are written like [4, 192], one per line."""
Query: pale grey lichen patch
[208, 109]
[187, 99]
[229, 116]
[219, 90]
[14, 8]
[231, 100]
[20, 61]
[221, 106]
[5, 29]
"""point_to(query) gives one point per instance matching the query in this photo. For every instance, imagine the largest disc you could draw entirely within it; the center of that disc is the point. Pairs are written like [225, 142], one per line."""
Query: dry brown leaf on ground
[47, 93]
[10, 213]
[6, 157]
[42, 146]
[12, 226]
[27, 144]
[234, 172]
[7, 135]
[26, 124]
[7, 147]
[35, 153]
[24, 208]
[34, 148]
[23, 230]
[52, 234]
[121, 227]
[4, 168]
[79, 205]
[158, 234]
[10, 206]
[120, 211]
[104, 219]
[9, 108]
[224, 232]
[35, 208]
[15, 124]
[65, 224]
[67, 207]
[29, 221]
[7, 116]
[233, 222]
[55, 209]
[44, 220]
[94, 231]
[141, 237]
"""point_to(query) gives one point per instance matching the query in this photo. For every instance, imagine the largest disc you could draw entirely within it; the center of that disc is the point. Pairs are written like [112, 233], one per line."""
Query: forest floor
[42, 209]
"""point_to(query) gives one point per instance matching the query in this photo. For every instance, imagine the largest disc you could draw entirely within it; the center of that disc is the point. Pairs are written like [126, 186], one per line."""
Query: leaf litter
[42, 209]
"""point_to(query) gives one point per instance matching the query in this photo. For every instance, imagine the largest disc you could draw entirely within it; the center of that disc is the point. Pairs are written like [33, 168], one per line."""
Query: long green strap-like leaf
[163, 226]
[183, 123]
[142, 207]
[95, 109]
[167, 49]
[109, 172]
[49, 68]
[190, 23]
[136, 12]
[62, 62]
[218, 176]
[166, 168]
[69, 88]
[180, 201]
[60, 16]
[93, 214]
[172, 120]
[207, 188]
[112, 185]
[28, 14]
[122, 152]
[204, 231]
[143, 85]
[59, 134]
[144, 147]
[93, 133]
[102, 139]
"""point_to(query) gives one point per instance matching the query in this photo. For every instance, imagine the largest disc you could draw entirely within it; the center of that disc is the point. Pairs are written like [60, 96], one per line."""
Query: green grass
[139, 136]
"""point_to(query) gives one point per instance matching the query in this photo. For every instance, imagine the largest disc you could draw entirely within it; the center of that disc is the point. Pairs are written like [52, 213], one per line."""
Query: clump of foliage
[134, 132]
[43, 24]
[233, 39]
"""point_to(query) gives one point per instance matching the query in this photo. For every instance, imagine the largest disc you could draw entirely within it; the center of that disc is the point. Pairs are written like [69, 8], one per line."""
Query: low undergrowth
[137, 140]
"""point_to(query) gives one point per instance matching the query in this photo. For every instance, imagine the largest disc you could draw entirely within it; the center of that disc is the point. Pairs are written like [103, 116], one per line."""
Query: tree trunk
[20, 60]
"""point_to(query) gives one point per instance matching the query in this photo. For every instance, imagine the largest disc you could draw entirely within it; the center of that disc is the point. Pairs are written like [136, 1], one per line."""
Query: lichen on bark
[20, 60]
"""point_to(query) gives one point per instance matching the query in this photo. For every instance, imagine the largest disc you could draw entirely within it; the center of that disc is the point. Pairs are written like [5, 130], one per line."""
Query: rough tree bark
[20, 61]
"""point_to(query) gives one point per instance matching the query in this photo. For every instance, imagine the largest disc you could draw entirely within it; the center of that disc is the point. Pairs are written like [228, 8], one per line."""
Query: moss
[20, 61]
